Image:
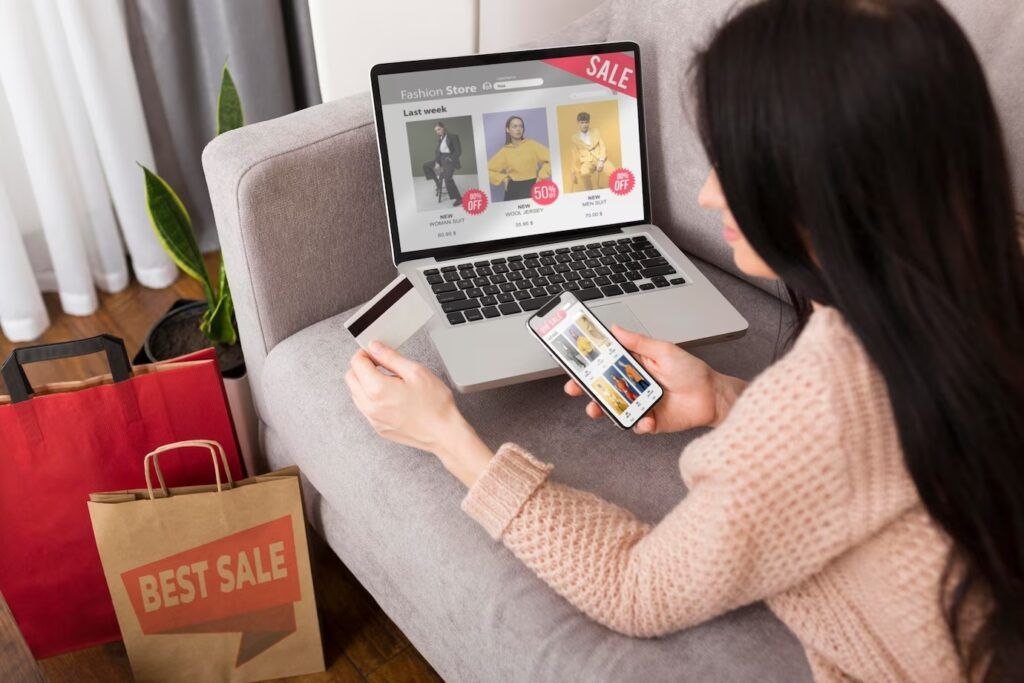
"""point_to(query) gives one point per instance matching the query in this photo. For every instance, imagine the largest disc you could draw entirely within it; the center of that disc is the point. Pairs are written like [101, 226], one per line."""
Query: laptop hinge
[526, 242]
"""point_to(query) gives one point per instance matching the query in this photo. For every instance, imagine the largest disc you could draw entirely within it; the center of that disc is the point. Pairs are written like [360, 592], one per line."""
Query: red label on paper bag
[245, 582]
[615, 70]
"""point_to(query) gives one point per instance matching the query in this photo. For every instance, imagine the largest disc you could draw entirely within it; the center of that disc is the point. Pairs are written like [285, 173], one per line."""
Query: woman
[869, 486]
[519, 163]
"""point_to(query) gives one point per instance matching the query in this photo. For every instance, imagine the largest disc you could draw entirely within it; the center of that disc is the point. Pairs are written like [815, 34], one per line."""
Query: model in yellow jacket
[589, 156]
[519, 163]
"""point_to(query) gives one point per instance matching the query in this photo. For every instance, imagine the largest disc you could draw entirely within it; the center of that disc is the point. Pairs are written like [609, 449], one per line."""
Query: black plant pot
[177, 333]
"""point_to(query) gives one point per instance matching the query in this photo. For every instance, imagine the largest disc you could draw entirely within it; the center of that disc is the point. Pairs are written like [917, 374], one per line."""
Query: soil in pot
[177, 333]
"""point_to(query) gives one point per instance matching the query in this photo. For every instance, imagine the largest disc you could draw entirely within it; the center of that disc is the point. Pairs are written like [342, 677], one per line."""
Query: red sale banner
[616, 70]
[245, 583]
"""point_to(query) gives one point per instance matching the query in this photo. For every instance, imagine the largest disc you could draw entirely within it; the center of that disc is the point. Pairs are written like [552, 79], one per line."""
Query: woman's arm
[544, 158]
[768, 506]
[497, 167]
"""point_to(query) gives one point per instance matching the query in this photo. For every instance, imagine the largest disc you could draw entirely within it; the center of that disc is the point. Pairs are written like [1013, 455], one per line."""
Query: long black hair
[858, 148]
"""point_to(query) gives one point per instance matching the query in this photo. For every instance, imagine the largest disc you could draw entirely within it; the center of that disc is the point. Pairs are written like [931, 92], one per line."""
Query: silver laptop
[510, 177]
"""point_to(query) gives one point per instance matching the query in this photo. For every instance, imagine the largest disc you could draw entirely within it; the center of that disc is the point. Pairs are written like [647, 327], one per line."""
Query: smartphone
[602, 367]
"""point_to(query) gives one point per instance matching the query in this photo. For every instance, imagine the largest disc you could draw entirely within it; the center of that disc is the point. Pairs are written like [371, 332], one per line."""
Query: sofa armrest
[300, 214]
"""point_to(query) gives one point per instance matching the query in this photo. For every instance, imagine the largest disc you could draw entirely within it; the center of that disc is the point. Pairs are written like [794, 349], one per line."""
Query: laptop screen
[504, 149]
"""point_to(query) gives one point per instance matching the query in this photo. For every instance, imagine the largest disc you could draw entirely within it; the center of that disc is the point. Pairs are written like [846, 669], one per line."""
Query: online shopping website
[493, 152]
[598, 360]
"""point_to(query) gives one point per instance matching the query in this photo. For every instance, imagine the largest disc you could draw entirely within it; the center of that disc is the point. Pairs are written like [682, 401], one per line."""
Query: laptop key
[465, 284]
[507, 287]
[434, 279]
[571, 287]
[677, 281]
[634, 275]
[490, 312]
[589, 293]
[447, 269]
[603, 270]
[456, 318]
[522, 294]
[562, 250]
[474, 293]
[515, 257]
[481, 263]
[446, 287]
[448, 297]
[646, 286]
[491, 289]
[481, 282]
[474, 314]
[653, 262]
[524, 284]
[500, 268]
[655, 272]
[504, 298]
[617, 278]
[516, 265]
[498, 279]
[611, 290]
[463, 266]
[509, 309]
[451, 276]
[500, 259]
[659, 281]
[533, 304]
[460, 305]
[488, 301]
[629, 287]
[538, 292]
[602, 280]
[554, 289]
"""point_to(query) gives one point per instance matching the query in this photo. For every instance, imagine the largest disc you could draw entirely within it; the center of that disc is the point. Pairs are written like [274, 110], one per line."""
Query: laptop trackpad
[619, 314]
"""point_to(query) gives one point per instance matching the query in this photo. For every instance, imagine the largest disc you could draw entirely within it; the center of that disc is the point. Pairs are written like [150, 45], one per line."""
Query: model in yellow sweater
[519, 163]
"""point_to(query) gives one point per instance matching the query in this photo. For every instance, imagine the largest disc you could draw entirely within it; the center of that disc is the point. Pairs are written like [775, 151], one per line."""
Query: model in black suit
[445, 162]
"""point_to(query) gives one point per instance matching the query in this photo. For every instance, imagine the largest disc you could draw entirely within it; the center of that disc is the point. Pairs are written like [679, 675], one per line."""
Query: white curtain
[72, 133]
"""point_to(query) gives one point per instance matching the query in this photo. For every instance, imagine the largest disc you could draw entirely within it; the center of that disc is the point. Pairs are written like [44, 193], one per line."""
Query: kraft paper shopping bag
[210, 583]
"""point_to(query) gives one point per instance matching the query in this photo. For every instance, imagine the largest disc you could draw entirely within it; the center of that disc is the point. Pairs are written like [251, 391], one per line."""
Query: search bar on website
[587, 94]
[523, 83]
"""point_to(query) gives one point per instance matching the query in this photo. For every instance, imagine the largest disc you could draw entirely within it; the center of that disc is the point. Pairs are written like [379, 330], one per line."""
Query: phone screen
[596, 360]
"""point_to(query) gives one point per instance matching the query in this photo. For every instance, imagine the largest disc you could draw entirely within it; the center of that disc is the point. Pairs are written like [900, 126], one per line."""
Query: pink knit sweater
[800, 498]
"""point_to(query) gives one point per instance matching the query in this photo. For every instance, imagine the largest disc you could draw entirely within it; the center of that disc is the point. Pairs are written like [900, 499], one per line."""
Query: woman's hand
[414, 407]
[695, 395]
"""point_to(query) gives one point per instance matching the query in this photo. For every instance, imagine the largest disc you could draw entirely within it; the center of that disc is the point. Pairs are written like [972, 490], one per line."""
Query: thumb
[636, 342]
[388, 358]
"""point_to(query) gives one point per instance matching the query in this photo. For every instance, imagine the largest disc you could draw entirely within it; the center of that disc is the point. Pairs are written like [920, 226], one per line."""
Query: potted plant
[193, 325]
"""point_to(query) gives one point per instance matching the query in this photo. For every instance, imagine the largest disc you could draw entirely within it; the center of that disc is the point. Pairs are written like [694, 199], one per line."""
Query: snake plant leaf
[218, 321]
[229, 105]
[173, 228]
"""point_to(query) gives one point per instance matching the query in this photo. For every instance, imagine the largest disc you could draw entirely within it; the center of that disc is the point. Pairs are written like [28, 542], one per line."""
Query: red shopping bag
[61, 442]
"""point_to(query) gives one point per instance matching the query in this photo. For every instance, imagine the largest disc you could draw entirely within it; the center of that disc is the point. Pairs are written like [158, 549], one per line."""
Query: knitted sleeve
[768, 506]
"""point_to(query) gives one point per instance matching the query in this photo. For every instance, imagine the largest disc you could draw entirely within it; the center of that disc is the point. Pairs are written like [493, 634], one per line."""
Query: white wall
[507, 24]
[350, 37]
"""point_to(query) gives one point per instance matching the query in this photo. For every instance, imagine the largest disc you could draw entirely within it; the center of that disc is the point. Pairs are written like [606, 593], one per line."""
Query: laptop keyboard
[509, 285]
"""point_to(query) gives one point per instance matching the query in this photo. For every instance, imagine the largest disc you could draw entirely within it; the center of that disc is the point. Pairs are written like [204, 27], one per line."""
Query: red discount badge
[474, 201]
[621, 181]
[544, 192]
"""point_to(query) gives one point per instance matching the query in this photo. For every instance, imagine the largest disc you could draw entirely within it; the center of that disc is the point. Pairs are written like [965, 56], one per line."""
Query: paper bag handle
[17, 382]
[214, 449]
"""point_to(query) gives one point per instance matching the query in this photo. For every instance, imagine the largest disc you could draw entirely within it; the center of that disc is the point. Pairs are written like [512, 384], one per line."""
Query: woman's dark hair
[859, 150]
[508, 122]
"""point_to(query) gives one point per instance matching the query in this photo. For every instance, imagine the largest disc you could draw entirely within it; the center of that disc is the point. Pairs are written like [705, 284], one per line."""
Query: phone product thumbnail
[597, 360]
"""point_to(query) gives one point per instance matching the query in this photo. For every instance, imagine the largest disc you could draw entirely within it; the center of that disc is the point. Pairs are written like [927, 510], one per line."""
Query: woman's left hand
[415, 408]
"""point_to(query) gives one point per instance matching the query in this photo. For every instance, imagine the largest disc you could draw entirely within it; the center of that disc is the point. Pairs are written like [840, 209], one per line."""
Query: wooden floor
[360, 642]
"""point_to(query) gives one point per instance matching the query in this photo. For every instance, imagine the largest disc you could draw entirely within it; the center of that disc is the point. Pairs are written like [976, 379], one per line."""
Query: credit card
[392, 316]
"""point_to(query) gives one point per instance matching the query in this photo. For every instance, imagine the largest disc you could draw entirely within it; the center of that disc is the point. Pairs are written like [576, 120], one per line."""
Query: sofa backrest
[671, 31]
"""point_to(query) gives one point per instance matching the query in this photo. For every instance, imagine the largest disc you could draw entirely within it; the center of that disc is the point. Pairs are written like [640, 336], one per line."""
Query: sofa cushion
[392, 514]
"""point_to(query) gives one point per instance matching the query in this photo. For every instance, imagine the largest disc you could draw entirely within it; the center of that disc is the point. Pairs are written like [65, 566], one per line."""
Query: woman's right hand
[695, 395]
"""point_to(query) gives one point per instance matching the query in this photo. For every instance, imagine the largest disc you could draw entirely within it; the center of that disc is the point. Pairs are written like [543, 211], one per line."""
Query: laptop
[510, 177]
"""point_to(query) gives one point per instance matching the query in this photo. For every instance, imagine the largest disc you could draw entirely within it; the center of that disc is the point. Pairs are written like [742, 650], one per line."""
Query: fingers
[646, 425]
[365, 372]
[594, 411]
[572, 388]
[387, 357]
[638, 343]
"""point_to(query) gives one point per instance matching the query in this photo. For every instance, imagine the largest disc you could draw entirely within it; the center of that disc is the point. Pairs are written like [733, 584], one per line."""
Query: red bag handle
[154, 456]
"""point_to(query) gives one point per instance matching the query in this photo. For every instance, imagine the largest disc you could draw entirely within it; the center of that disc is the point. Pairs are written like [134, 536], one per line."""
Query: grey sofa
[302, 226]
